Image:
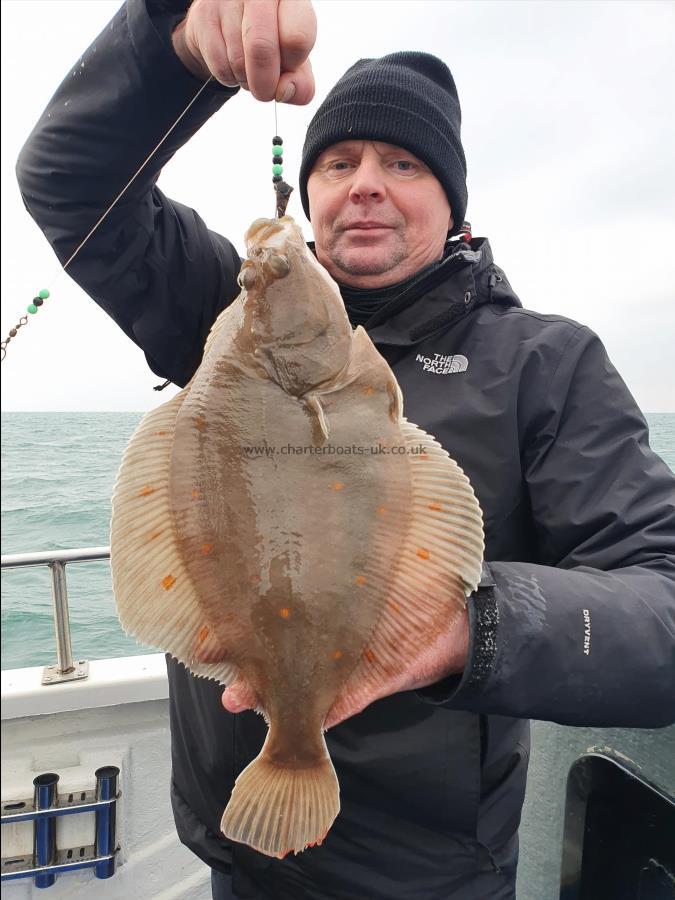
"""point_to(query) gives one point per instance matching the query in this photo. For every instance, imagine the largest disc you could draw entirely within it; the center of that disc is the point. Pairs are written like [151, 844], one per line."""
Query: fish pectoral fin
[395, 400]
[314, 406]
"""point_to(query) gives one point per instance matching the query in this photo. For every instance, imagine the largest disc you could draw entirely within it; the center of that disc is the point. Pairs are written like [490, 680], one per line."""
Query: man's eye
[339, 165]
[404, 165]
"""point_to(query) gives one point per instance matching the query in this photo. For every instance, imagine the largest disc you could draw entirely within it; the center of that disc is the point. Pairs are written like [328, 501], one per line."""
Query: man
[574, 619]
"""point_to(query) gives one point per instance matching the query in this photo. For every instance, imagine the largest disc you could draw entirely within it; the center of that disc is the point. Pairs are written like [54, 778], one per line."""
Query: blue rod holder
[106, 820]
[44, 828]
[46, 805]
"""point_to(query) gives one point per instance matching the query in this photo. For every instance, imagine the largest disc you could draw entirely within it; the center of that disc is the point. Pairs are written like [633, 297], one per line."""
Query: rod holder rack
[43, 808]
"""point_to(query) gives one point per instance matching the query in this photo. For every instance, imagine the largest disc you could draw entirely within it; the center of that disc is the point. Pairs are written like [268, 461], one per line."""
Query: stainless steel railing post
[64, 648]
[65, 668]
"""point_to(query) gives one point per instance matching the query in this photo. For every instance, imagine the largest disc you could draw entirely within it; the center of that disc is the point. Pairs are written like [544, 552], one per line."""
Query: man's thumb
[296, 87]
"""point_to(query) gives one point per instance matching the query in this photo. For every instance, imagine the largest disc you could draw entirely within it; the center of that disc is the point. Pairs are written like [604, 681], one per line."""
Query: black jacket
[576, 620]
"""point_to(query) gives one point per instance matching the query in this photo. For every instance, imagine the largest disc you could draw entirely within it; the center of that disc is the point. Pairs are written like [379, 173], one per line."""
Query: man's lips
[367, 226]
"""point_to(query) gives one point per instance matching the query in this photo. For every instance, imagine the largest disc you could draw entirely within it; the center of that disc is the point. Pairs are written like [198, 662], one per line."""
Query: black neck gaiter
[362, 303]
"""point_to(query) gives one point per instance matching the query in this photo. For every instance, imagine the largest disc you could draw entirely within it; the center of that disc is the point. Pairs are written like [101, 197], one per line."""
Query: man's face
[378, 213]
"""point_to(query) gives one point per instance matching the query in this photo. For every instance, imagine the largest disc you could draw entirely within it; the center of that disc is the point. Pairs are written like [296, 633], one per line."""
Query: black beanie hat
[408, 99]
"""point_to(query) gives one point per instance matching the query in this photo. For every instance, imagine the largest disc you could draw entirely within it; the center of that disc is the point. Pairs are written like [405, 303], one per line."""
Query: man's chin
[366, 262]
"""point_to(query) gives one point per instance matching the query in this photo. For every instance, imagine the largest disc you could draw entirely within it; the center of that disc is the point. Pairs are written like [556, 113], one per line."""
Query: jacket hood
[466, 279]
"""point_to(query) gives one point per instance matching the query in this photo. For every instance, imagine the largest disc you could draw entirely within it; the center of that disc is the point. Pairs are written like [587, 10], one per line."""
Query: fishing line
[35, 305]
[282, 191]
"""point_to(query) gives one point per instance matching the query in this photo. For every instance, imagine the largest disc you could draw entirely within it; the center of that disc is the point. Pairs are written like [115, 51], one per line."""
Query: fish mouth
[268, 233]
[268, 244]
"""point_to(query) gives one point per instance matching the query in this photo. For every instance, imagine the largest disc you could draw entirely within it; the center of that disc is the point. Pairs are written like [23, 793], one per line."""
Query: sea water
[58, 472]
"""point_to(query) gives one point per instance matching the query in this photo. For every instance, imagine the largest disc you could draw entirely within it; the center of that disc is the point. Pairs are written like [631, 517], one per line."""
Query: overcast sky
[569, 134]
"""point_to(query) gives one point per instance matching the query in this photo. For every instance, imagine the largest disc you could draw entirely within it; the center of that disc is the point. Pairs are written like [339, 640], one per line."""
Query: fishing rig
[282, 192]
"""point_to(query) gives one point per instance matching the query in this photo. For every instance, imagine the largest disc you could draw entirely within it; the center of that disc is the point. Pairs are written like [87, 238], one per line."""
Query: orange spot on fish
[200, 423]
[203, 633]
[146, 491]
[168, 582]
[206, 549]
[196, 494]
[435, 506]
[381, 510]
[285, 612]
[424, 456]
[368, 390]
[337, 486]
[360, 579]
[369, 655]
[422, 553]
[394, 607]
[155, 534]
[161, 433]
[255, 579]
[336, 654]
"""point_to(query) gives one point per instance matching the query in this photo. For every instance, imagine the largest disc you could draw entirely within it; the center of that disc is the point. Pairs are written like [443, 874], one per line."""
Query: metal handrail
[65, 669]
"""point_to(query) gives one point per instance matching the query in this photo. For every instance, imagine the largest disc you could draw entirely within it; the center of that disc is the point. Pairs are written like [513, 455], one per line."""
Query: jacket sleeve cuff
[483, 620]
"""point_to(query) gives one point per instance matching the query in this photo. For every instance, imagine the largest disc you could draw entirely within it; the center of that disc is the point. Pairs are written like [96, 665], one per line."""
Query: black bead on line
[283, 190]
[277, 156]
[32, 308]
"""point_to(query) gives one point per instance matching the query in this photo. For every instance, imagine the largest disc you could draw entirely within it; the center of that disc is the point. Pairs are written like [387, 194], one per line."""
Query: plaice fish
[279, 526]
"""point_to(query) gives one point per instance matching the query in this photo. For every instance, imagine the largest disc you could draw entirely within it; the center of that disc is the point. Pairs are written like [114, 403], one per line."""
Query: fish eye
[279, 265]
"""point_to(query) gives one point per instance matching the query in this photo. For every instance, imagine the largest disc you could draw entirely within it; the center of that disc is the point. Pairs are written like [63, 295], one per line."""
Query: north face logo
[443, 365]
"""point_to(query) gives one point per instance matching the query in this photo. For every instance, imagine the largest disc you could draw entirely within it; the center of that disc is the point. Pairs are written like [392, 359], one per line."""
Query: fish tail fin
[278, 809]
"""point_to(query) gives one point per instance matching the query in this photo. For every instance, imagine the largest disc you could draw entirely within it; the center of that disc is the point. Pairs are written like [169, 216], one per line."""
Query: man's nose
[368, 181]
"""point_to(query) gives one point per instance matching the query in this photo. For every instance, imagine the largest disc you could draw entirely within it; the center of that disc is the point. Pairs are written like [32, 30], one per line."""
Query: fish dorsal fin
[232, 309]
[438, 567]
[156, 600]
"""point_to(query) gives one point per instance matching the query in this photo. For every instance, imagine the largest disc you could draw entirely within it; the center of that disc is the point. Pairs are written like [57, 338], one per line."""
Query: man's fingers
[296, 87]
[297, 33]
[230, 25]
[208, 40]
[261, 47]
[239, 696]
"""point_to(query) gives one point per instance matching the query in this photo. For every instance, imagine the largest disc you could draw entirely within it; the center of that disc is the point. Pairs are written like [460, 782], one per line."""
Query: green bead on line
[277, 170]
[277, 150]
[43, 294]
[32, 308]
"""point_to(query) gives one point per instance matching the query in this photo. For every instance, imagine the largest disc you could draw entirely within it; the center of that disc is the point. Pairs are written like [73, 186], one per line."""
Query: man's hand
[446, 656]
[261, 45]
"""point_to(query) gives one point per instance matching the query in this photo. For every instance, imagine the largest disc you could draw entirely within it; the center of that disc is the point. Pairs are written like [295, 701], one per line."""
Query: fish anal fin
[439, 565]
